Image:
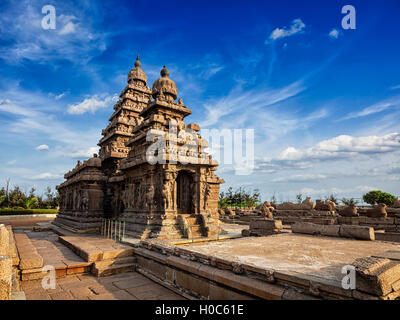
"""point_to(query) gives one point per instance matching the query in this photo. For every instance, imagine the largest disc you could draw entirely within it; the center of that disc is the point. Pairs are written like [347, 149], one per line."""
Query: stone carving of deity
[207, 193]
[85, 202]
[166, 195]
[149, 197]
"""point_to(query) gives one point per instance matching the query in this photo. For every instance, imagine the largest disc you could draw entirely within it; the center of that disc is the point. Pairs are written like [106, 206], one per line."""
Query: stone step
[194, 228]
[114, 262]
[29, 257]
[96, 248]
[113, 269]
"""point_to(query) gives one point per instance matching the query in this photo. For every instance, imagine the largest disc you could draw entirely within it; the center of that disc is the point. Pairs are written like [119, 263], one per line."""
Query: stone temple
[152, 171]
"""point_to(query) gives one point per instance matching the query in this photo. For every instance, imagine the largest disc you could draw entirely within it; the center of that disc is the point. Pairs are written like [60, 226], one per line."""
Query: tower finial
[164, 72]
[137, 62]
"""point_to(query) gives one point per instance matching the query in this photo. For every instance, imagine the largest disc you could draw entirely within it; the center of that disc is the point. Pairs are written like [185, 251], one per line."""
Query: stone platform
[283, 266]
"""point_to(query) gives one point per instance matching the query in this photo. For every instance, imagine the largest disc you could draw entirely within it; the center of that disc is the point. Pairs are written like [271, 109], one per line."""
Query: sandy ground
[26, 222]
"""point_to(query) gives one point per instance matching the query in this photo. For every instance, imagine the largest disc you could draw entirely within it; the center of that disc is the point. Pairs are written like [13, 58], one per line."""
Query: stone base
[78, 224]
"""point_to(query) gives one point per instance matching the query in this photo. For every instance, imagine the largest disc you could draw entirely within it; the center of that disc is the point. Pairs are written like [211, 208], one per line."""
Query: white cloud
[336, 190]
[36, 115]
[301, 178]
[297, 26]
[344, 146]
[45, 176]
[78, 153]
[334, 34]
[92, 104]
[68, 28]
[42, 147]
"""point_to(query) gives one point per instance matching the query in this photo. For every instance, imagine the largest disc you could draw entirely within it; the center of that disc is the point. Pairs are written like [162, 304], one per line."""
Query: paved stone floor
[126, 286]
[313, 255]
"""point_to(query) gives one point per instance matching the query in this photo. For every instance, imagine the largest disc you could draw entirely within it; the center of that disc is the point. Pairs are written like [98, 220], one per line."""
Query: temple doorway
[184, 192]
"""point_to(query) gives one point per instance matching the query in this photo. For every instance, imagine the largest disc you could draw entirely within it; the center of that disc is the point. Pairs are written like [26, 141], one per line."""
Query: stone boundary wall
[389, 224]
[9, 261]
[345, 231]
[208, 277]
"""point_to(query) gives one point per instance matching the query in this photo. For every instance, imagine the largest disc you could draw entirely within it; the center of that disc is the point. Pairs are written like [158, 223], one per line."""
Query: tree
[30, 202]
[239, 198]
[273, 199]
[349, 202]
[377, 196]
[333, 199]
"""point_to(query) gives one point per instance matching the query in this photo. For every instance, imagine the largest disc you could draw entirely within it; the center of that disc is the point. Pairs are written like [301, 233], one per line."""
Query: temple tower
[171, 190]
[152, 173]
[132, 100]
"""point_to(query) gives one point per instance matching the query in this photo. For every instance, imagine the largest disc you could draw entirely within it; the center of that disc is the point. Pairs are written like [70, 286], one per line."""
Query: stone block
[357, 232]
[311, 228]
[376, 276]
[330, 230]
[253, 287]
[193, 284]
[220, 293]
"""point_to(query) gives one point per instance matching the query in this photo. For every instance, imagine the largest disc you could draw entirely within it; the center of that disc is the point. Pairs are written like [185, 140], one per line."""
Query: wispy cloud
[297, 26]
[35, 116]
[248, 101]
[334, 34]
[75, 38]
[375, 108]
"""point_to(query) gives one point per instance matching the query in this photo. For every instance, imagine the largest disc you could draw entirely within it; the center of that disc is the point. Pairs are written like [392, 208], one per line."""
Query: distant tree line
[243, 198]
[239, 198]
[15, 198]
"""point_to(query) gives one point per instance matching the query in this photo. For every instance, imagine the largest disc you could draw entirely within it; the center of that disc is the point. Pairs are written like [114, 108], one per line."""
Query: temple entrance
[184, 192]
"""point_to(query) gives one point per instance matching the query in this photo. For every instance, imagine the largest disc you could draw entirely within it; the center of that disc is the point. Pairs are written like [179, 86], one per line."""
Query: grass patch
[7, 212]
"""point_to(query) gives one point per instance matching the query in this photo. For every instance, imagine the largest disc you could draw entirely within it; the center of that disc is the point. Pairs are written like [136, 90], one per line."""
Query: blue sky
[324, 102]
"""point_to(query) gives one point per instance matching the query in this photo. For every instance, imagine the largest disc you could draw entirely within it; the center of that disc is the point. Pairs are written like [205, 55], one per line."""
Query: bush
[377, 196]
[9, 211]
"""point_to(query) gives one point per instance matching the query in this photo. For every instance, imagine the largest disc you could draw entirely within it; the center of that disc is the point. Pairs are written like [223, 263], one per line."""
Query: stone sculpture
[378, 211]
[350, 211]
